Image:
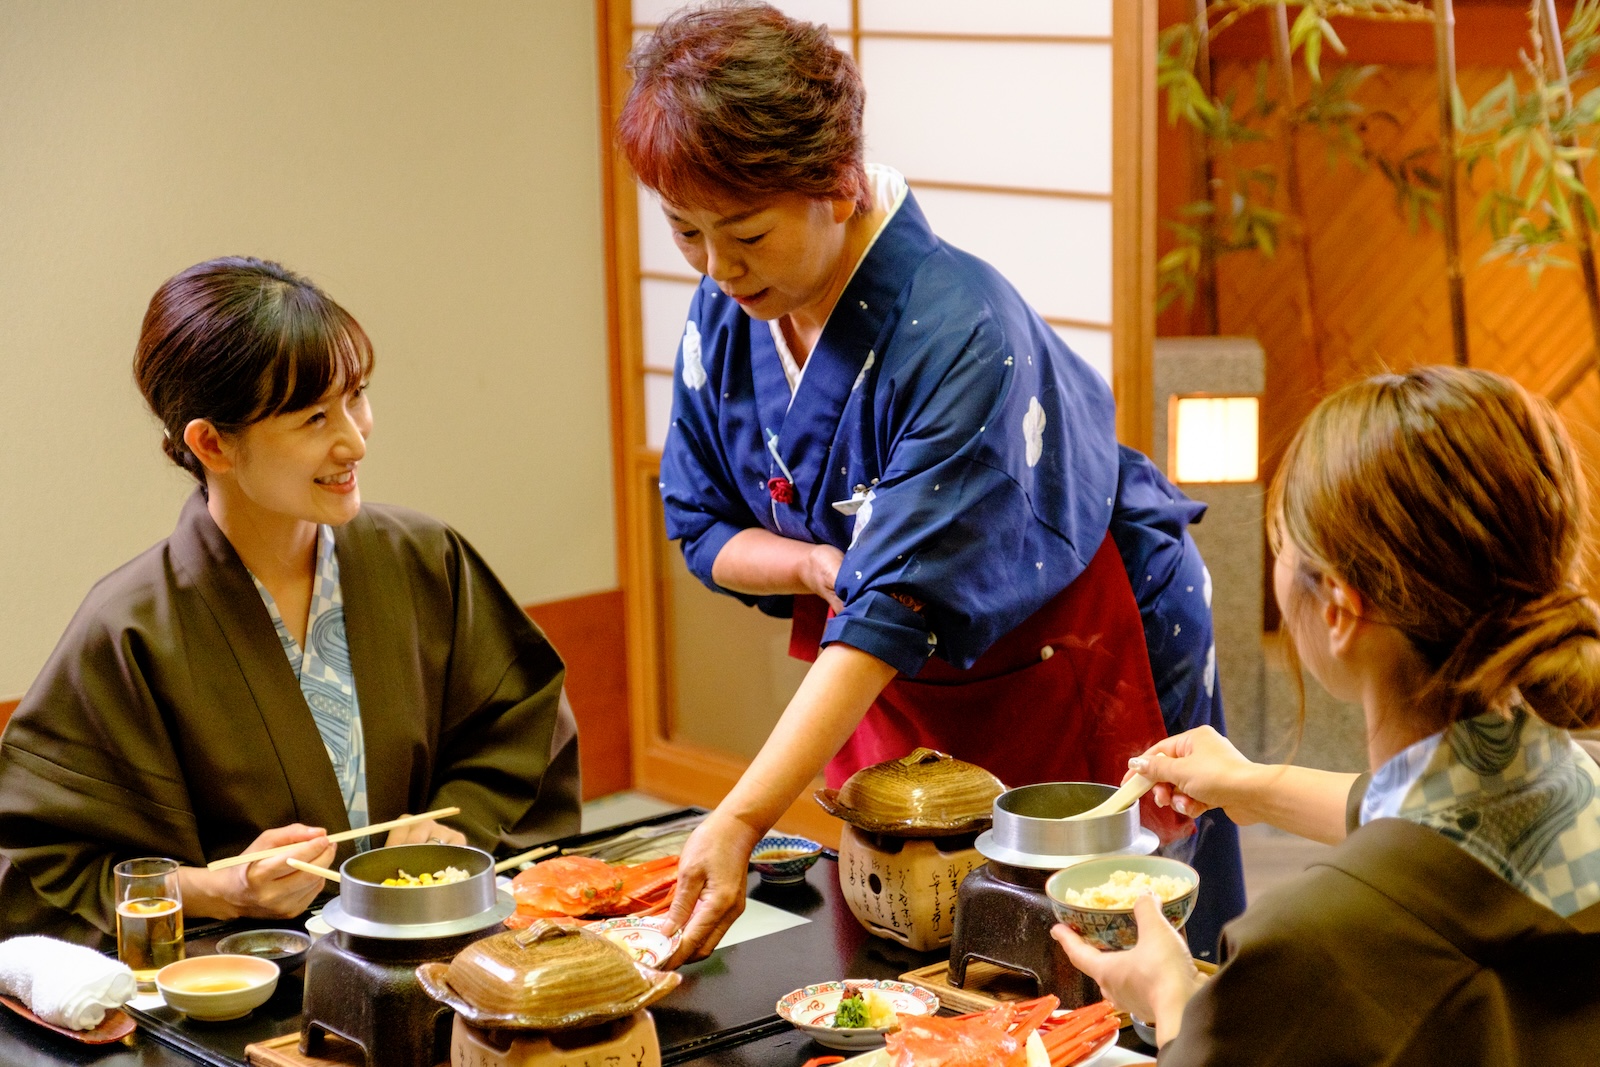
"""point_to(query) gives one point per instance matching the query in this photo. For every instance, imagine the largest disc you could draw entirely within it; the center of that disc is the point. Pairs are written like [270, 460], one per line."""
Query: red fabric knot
[781, 490]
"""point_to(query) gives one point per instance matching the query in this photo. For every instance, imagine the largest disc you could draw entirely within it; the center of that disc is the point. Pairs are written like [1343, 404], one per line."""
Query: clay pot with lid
[922, 794]
[909, 842]
[548, 977]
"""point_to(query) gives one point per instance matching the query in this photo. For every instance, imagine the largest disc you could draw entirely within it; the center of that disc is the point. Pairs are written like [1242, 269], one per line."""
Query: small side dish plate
[784, 860]
[811, 1009]
[644, 937]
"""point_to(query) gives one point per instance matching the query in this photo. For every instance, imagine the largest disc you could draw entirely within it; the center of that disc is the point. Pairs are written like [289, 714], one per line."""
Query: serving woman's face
[774, 256]
[302, 464]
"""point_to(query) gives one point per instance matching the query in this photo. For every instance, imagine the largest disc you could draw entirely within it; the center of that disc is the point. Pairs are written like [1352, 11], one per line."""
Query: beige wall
[434, 166]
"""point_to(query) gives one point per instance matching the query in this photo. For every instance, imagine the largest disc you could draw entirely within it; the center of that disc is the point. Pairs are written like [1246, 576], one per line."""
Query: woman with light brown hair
[1430, 530]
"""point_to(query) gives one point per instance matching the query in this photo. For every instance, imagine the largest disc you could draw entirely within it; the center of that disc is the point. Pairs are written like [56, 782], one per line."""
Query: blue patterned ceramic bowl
[1115, 928]
[784, 860]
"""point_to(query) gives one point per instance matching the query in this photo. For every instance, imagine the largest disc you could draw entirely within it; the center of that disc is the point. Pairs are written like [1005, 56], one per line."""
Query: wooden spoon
[1125, 797]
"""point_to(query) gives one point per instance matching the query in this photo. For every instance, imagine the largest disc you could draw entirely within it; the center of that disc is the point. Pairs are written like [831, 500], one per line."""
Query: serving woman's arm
[837, 691]
[1200, 769]
[760, 563]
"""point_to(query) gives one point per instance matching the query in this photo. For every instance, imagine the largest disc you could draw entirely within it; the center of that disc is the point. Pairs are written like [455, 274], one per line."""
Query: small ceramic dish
[318, 927]
[644, 936]
[286, 948]
[216, 989]
[1116, 928]
[784, 860]
[811, 1009]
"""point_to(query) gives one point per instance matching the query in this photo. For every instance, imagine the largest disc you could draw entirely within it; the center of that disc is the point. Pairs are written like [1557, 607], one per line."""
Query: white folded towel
[63, 983]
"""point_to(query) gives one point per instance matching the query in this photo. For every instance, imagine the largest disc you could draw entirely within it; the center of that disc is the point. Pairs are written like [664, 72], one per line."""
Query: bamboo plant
[1532, 141]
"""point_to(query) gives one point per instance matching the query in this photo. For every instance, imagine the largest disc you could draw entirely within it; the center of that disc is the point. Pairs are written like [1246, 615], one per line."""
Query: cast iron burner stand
[365, 990]
[1003, 917]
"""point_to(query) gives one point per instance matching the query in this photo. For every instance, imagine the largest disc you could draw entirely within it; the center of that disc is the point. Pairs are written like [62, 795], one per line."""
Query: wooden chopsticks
[531, 854]
[342, 835]
[311, 868]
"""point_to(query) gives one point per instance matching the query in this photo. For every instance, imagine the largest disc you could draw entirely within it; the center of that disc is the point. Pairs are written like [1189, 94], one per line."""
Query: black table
[725, 1002]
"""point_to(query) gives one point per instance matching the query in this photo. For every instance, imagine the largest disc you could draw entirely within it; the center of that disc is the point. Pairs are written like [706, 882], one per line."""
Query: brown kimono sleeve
[88, 777]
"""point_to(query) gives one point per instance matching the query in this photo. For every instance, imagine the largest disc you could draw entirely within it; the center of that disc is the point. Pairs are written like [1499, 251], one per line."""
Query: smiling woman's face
[302, 464]
[775, 256]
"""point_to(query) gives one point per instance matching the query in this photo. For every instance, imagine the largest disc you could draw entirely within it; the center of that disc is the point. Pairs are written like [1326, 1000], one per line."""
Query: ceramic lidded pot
[548, 977]
[909, 841]
[922, 794]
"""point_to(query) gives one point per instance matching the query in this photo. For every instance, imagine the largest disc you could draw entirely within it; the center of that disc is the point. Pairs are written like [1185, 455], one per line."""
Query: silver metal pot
[368, 908]
[1030, 829]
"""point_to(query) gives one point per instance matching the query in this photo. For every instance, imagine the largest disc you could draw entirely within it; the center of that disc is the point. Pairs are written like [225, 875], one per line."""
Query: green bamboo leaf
[1313, 55]
[1328, 35]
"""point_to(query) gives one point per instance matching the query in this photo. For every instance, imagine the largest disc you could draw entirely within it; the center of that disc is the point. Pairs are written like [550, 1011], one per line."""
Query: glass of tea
[149, 917]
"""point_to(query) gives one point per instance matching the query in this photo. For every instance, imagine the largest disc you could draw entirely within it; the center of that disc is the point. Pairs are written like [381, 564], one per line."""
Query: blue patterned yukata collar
[326, 677]
[1518, 794]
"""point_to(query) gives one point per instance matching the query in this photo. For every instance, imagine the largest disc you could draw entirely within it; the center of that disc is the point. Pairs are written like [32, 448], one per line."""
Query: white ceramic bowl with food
[812, 1008]
[1087, 897]
[215, 989]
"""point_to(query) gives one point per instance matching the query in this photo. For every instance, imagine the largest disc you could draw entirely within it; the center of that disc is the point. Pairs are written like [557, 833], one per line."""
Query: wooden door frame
[692, 774]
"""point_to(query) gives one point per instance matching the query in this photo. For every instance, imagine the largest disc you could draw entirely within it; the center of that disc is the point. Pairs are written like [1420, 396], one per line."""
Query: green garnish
[852, 1012]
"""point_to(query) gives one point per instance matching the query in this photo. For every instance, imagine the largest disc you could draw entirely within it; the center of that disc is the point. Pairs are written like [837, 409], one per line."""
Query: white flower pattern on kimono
[872, 358]
[694, 371]
[1033, 430]
[863, 516]
[1210, 678]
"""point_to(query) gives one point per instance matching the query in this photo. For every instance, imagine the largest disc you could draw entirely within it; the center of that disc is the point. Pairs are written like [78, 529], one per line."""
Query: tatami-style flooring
[1270, 856]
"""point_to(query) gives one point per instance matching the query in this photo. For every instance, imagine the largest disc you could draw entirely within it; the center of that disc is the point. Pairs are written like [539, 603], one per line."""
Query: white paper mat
[759, 920]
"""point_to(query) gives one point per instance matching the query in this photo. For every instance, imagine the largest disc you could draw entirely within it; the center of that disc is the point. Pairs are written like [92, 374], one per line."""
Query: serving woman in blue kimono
[874, 433]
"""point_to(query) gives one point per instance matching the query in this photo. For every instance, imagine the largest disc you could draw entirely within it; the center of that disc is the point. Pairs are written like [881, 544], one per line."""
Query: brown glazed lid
[923, 794]
[548, 977]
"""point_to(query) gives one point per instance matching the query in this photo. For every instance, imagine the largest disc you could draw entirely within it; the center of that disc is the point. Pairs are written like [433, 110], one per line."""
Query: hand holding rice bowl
[1115, 882]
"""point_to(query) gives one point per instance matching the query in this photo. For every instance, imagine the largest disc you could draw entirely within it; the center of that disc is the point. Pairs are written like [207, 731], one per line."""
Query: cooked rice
[444, 877]
[1124, 887]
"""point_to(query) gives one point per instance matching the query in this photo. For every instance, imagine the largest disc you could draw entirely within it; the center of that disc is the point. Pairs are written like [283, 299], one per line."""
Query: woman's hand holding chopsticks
[267, 888]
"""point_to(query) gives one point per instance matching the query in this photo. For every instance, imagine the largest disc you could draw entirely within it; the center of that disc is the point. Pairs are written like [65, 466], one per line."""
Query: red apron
[1066, 696]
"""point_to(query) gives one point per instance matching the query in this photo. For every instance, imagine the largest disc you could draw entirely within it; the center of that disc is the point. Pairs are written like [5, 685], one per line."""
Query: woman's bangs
[327, 352]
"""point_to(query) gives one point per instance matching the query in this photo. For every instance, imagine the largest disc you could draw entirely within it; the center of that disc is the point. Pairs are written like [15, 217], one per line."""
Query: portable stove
[1002, 914]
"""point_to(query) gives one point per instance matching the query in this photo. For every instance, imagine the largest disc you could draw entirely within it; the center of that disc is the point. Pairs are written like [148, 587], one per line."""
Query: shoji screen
[1000, 115]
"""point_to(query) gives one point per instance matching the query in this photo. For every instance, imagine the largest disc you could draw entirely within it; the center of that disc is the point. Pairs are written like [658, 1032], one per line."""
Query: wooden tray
[285, 1052]
[114, 1027]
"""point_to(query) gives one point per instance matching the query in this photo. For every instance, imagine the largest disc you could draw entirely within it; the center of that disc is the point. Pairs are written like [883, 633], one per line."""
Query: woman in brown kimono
[289, 663]
[1430, 531]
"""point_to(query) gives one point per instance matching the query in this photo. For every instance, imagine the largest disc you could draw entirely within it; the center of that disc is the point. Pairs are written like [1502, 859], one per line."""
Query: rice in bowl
[1124, 887]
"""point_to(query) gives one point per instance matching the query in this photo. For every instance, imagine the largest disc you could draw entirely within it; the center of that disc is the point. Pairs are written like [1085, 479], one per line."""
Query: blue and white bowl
[784, 860]
[1116, 928]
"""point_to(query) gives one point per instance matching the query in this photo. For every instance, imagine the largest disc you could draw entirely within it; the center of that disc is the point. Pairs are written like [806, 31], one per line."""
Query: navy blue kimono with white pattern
[979, 455]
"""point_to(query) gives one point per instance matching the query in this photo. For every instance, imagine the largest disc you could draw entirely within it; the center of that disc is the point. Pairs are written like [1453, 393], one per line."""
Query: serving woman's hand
[711, 884]
[821, 573]
[422, 833]
[1153, 980]
[264, 889]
